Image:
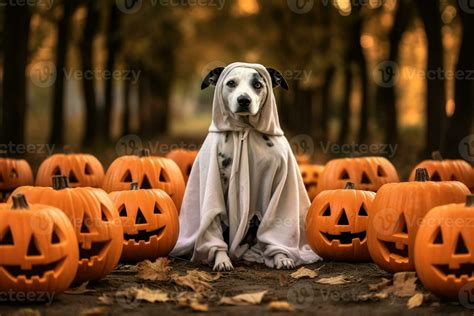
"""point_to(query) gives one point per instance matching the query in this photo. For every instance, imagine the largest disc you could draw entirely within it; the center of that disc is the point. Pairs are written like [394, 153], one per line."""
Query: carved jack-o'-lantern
[396, 214]
[14, 173]
[96, 223]
[367, 173]
[447, 170]
[310, 175]
[82, 170]
[150, 172]
[184, 159]
[336, 224]
[444, 249]
[150, 223]
[38, 249]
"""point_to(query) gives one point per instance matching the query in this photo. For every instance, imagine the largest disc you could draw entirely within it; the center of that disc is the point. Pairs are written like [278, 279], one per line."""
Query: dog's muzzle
[244, 104]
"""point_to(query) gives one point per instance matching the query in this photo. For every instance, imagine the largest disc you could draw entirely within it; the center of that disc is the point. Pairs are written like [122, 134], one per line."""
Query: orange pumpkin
[184, 159]
[13, 174]
[82, 170]
[150, 172]
[96, 223]
[38, 249]
[336, 224]
[150, 223]
[396, 214]
[310, 175]
[447, 170]
[367, 173]
[444, 249]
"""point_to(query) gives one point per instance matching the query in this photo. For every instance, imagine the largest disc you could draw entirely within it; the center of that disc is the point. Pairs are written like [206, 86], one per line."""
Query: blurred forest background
[87, 72]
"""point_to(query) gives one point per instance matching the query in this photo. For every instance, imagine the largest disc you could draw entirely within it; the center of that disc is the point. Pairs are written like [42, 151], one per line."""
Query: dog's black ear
[211, 78]
[277, 78]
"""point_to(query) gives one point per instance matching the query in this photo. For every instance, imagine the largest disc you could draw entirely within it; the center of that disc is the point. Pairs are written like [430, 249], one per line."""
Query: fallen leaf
[404, 284]
[197, 280]
[191, 300]
[304, 273]
[244, 299]
[277, 306]
[198, 307]
[126, 268]
[150, 295]
[106, 299]
[95, 311]
[154, 271]
[373, 296]
[82, 289]
[283, 278]
[27, 312]
[381, 285]
[336, 280]
[415, 301]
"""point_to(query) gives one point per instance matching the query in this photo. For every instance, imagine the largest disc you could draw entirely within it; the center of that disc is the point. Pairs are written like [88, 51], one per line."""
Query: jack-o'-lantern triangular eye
[85, 224]
[401, 226]
[7, 238]
[304, 174]
[140, 219]
[327, 211]
[461, 248]
[365, 178]
[381, 172]
[103, 214]
[453, 178]
[13, 173]
[127, 177]
[163, 176]
[438, 237]
[344, 175]
[72, 177]
[57, 171]
[88, 170]
[362, 211]
[1, 178]
[435, 176]
[32, 248]
[156, 210]
[55, 237]
[343, 220]
[145, 183]
[123, 211]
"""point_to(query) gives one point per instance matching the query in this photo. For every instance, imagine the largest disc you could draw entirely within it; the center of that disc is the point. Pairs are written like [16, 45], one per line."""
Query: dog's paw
[222, 262]
[283, 262]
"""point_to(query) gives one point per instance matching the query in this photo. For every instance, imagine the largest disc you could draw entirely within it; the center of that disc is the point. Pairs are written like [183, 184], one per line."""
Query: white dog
[245, 198]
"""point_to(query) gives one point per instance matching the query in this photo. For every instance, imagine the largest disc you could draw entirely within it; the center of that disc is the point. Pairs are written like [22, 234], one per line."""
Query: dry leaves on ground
[244, 299]
[403, 284]
[154, 271]
[80, 290]
[280, 306]
[381, 285]
[191, 300]
[27, 312]
[144, 294]
[304, 273]
[336, 280]
[106, 299]
[415, 301]
[95, 311]
[198, 281]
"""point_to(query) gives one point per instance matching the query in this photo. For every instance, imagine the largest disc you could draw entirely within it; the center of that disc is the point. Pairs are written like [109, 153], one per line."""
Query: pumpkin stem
[422, 175]
[349, 186]
[134, 186]
[19, 201]
[67, 150]
[60, 182]
[470, 200]
[436, 155]
[144, 152]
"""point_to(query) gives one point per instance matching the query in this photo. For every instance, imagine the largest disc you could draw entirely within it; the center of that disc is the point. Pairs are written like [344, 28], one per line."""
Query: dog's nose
[243, 101]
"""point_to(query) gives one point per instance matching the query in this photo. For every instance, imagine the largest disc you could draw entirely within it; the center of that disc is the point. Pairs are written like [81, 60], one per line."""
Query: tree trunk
[57, 111]
[460, 124]
[113, 45]
[361, 62]
[90, 30]
[346, 105]
[126, 107]
[326, 103]
[436, 90]
[16, 31]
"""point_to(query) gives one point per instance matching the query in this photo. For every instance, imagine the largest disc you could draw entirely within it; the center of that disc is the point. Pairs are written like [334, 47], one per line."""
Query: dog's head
[244, 89]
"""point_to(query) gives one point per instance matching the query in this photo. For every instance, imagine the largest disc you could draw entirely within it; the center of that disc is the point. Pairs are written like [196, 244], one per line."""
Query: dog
[246, 180]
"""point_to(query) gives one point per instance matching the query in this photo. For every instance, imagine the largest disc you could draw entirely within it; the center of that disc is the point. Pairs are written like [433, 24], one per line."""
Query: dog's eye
[231, 84]
[257, 85]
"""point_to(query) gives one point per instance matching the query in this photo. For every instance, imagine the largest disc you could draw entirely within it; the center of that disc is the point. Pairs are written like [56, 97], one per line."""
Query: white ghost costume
[244, 170]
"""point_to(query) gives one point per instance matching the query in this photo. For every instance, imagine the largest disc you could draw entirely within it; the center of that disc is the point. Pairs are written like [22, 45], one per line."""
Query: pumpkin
[13, 173]
[150, 223]
[310, 175]
[38, 249]
[396, 214]
[82, 170]
[336, 224]
[184, 159]
[444, 248]
[149, 172]
[96, 223]
[447, 170]
[367, 173]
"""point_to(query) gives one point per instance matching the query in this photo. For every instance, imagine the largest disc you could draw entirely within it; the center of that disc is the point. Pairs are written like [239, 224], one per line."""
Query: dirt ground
[305, 295]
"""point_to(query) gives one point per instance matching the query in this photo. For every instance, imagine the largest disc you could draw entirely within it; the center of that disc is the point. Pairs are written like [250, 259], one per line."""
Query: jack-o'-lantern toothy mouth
[144, 235]
[465, 269]
[37, 270]
[345, 238]
[310, 185]
[98, 249]
[391, 248]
